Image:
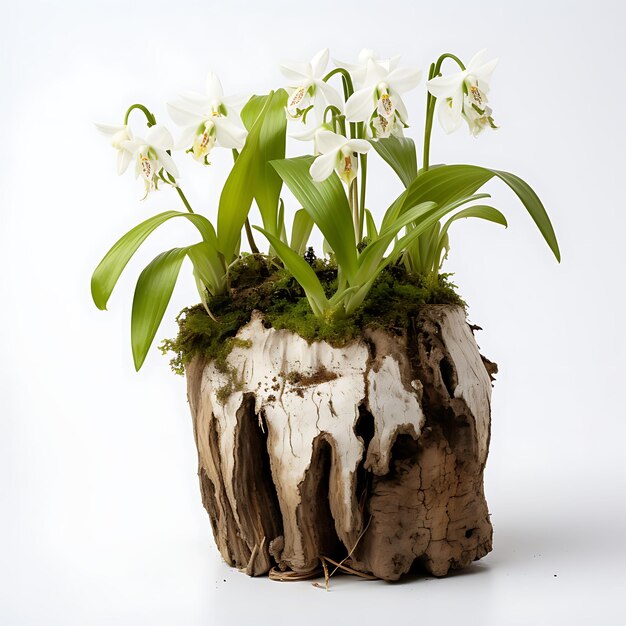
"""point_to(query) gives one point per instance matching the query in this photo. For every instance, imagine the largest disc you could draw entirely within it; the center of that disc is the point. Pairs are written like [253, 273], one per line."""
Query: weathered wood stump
[376, 449]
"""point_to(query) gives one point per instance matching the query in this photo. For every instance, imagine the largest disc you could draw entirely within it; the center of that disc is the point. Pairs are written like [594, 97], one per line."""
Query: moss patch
[392, 303]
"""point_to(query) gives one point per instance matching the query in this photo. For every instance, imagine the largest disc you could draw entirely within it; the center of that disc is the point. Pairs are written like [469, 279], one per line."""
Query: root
[290, 576]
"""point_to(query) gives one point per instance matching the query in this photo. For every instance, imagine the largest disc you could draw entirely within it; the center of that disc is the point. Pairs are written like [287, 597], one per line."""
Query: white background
[100, 514]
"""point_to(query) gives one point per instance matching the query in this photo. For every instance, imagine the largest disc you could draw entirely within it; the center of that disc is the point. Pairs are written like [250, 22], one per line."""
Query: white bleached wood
[473, 382]
[306, 394]
[297, 415]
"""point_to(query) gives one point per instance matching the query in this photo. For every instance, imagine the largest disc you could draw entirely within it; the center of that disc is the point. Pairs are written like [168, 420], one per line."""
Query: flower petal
[398, 102]
[477, 60]
[327, 141]
[360, 105]
[446, 86]
[186, 137]
[330, 94]
[213, 87]
[297, 72]
[124, 157]
[450, 114]
[184, 114]
[306, 132]
[404, 79]
[359, 145]
[134, 146]
[375, 73]
[167, 162]
[483, 73]
[234, 102]
[357, 70]
[197, 101]
[229, 135]
[159, 137]
[319, 63]
[366, 54]
[323, 166]
[393, 62]
[109, 129]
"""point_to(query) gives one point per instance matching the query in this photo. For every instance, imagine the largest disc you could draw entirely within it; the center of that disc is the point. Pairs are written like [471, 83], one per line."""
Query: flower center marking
[297, 96]
[386, 103]
[146, 167]
[476, 95]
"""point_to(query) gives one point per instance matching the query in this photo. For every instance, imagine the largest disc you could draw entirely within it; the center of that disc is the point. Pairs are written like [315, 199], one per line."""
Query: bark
[376, 449]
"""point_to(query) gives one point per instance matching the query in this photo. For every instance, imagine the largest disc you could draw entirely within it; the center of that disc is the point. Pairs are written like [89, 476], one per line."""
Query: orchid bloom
[308, 87]
[151, 155]
[379, 103]
[463, 95]
[337, 153]
[209, 119]
[358, 70]
[118, 135]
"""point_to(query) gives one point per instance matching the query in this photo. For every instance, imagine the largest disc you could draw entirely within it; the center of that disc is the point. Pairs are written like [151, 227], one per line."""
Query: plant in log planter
[341, 407]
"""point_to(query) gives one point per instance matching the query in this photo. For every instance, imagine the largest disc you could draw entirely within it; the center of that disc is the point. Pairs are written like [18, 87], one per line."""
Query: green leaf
[374, 252]
[110, 268]
[450, 182]
[372, 232]
[271, 146]
[301, 231]
[439, 239]
[301, 271]
[481, 211]
[272, 141]
[252, 109]
[152, 295]
[208, 266]
[419, 220]
[534, 206]
[327, 204]
[251, 176]
[400, 153]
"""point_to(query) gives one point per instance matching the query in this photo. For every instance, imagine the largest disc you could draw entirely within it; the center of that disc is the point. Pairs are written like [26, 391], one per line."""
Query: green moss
[392, 303]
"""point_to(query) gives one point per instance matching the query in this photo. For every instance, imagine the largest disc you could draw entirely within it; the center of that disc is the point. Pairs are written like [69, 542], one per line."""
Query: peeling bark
[376, 449]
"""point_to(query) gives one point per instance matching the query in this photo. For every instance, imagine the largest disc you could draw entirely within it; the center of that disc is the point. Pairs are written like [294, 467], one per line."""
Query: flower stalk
[434, 71]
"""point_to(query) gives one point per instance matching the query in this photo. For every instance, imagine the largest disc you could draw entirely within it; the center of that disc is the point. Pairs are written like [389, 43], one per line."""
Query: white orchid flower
[477, 119]
[118, 135]
[463, 95]
[209, 119]
[311, 133]
[380, 102]
[337, 153]
[308, 131]
[151, 155]
[358, 70]
[308, 88]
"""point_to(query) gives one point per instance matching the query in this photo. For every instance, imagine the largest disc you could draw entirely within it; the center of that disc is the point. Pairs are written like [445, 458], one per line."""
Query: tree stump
[375, 449]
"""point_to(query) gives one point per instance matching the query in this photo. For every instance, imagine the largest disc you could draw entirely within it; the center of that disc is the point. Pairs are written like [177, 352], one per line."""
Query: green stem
[348, 90]
[430, 99]
[354, 206]
[253, 247]
[338, 118]
[149, 117]
[184, 199]
[179, 191]
[435, 70]
[348, 87]
[362, 197]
